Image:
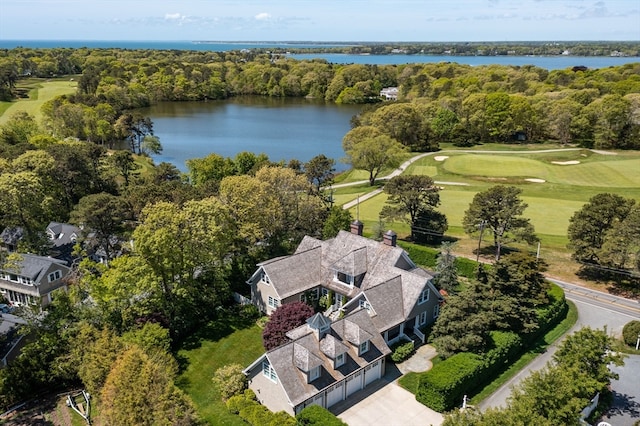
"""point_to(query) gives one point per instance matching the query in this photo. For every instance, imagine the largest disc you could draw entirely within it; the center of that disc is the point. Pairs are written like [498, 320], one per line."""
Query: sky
[320, 20]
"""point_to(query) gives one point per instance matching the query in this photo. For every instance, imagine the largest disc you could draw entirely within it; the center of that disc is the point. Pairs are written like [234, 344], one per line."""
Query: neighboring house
[356, 272]
[389, 93]
[10, 237]
[33, 279]
[63, 237]
[323, 364]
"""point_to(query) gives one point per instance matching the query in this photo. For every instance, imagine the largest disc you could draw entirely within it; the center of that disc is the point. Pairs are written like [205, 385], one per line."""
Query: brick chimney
[356, 227]
[389, 238]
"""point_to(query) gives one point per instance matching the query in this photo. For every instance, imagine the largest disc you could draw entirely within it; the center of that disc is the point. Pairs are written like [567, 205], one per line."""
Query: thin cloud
[263, 16]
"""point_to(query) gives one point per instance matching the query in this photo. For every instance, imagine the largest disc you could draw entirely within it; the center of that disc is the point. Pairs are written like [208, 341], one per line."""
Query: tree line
[438, 102]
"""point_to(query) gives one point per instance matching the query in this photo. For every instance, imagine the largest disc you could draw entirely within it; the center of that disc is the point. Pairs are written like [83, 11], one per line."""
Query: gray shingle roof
[34, 267]
[291, 359]
[296, 273]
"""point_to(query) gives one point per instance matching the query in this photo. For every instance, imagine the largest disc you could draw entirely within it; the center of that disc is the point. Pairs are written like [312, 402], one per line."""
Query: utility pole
[482, 226]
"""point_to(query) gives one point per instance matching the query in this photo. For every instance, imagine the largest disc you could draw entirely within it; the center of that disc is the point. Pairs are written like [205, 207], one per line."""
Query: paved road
[596, 310]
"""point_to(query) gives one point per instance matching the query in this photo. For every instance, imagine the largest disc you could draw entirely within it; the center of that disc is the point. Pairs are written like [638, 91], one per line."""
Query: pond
[283, 129]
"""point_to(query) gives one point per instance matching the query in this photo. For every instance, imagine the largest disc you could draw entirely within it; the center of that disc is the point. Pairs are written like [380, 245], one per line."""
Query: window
[436, 311]
[340, 360]
[423, 318]
[364, 347]
[56, 275]
[314, 373]
[269, 372]
[343, 278]
[324, 291]
[273, 302]
[264, 278]
[365, 305]
[424, 296]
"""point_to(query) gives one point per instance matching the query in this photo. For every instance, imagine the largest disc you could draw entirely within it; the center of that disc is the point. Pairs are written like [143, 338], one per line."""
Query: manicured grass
[226, 341]
[40, 91]
[550, 204]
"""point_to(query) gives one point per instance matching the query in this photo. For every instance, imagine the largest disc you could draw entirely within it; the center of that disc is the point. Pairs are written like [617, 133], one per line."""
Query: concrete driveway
[385, 403]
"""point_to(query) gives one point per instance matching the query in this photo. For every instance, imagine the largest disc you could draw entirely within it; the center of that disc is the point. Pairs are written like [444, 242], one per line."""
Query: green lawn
[40, 91]
[226, 341]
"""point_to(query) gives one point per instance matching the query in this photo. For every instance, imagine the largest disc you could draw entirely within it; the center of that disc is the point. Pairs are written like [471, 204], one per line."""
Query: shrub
[630, 332]
[230, 380]
[249, 312]
[402, 351]
[314, 415]
[251, 411]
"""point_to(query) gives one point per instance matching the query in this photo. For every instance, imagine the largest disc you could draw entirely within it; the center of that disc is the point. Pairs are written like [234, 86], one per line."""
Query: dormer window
[365, 305]
[340, 360]
[314, 373]
[343, 278]
[364, 347]
[424, 296]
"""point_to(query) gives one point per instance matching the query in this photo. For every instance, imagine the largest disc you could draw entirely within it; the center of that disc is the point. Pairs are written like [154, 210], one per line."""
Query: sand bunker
[440, 157]
[566, 163]
[535, 180]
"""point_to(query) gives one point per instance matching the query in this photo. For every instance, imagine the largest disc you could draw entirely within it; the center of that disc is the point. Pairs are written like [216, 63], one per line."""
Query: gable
[296, 273]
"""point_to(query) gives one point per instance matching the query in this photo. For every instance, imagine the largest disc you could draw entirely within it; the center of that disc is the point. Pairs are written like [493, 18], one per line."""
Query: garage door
[354, 383]
[372, 372]
[335, 394]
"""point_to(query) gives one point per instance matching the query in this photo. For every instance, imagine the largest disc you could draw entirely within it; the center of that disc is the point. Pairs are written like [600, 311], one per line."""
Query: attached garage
[335, 394]
[372, 372]
[354, 383]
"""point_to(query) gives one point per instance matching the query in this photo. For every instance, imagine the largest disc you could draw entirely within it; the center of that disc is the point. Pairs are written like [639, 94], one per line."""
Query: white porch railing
[420, 335]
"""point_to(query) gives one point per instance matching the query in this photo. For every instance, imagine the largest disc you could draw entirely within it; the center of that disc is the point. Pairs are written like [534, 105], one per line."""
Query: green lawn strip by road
[410, 381]
[40, 91]
[226, 344]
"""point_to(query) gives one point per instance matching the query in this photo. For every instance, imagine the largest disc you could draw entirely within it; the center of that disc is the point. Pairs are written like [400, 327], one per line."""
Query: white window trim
[365, 305]
[424, 296]
[314, 373]
[338, 280]
[55, 275]
[436, 311]
[265, 278]
[273, 302]
[422, 318]
[364, 347]
[269, 372]
[340, 360]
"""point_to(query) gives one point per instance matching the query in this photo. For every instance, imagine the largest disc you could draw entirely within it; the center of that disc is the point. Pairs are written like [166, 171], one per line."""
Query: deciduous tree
[369, 150]
[284, 319]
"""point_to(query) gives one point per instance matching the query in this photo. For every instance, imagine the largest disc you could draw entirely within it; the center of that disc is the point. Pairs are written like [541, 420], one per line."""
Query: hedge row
[552, 313]
[315, 415]
[443, 387]
[256, 414]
